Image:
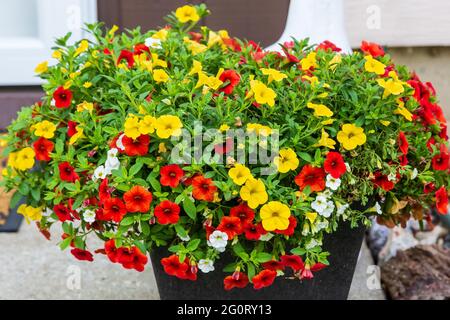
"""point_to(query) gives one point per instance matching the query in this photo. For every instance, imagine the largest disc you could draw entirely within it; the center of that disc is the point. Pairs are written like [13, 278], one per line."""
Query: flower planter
[331, 283]
[13, 220]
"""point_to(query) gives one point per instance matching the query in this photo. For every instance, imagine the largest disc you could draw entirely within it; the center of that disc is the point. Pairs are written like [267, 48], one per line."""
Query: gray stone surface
[34, 268]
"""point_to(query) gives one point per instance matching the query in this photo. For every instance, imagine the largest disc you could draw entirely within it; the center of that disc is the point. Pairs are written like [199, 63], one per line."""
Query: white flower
[342, 208]
[319, 204]
[47, 212]
[392, 177]
[53, 102]
[326, 193]
[185, 238]
[111, 164]
[220, 249]
[322, 225]
[99, 173]
[218, 239]
[89, 216]
[119, 142]
[347, 166]
[378, 208]
[333, 183]
[311, 244]
[414, 174]
[328, 210]
[112, 153]
[266, 237]
[153, 43]
[206, 265]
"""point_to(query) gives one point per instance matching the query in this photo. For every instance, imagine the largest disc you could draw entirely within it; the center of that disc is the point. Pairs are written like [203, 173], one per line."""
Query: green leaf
[135, 169]
[141, 246]
[127, 221]
[15, 199]
[262, 257]
[189, 208]
[298, 251]
[305, 156]
[65, 243]
[193, 244]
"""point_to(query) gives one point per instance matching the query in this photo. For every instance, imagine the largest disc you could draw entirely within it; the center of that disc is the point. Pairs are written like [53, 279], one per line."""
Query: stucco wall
[431, 64]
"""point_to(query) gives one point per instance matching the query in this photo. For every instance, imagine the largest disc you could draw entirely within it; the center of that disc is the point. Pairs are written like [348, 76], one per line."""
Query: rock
[421, 272]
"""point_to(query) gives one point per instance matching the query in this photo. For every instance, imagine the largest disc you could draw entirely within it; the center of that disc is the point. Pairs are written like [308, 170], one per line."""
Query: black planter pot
[14, 220]
[331, 283]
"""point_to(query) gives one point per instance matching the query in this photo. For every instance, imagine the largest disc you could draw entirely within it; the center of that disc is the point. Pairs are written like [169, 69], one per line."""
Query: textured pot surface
[331, 283]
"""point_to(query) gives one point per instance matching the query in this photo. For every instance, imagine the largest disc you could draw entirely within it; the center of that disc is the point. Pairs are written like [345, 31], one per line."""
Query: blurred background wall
[416, 32]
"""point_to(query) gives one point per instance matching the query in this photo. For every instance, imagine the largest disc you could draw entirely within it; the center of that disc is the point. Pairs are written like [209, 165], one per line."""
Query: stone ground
[33, 268]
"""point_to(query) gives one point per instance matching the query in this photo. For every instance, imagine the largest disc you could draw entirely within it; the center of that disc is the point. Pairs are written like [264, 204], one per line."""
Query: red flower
[441, 160]
[67, 172]
[233, 44]
[237, 280]
[327, 46]
[403, 143]
[231, 226]
[252, 232]
[312, 177]
[231, 79]
[125, 256]
[173, 267]
[42, 148]
[171, 175]
[63, 97]
[243, 212]
[128, 56]
[334, 164]
[191, 272]
[167, 212]
[82, 255]
[273, 265]
[264, 279]
[224, 148]
[137, 199]
[371, 48]
[307, 272]
[141, 48]
[114, 209]
[442, 200]
[71, 128]
[403, 159]
[290, 229]
[204, 189]
[104, 192]
[62, 212]
[292, 261]
[136, 147]
[133, 258]
[111, 250]
[429, 187]
[382, 181]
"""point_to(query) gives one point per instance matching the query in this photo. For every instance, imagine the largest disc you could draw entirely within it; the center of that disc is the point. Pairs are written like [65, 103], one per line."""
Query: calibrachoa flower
[167, 212]
[137, 199]
[114, 149]
[171, 175]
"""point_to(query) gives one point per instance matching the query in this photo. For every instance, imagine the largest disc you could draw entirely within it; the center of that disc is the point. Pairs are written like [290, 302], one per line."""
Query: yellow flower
[262, 93]
[224, 127]
[334, 62]
[87, 84]
[196, 67]
[314, 81]
[30, 213]
[351, 136]
[373, 65]
[311, 216]
[385, 123]
[161, 34]
[162, 147]
[24, 159]
[41, 67]
[325, 141]
[167, 126]
[160, 75]
[213, 38]
[157, 62]
[84, 45]
[273, 75]
[403, 111]
[77, 135]
[194, 46]
[12, 159]
[254, 192]
[275, 216]
[45, 129]
[209, 81]
[320, 110]
[57, 54]
[259, 129]
[88, 106]
[287, 160]
[309, 61]
[147, 125]
[131, 127]
[187, 13]
[239, 174]
[327, 122]
[113, 30]
[392, 86]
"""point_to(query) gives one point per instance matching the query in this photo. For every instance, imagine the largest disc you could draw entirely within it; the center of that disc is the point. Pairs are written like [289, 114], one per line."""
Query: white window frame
[19, 56]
